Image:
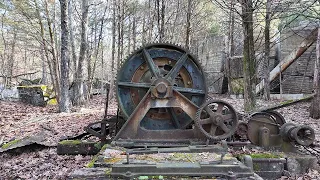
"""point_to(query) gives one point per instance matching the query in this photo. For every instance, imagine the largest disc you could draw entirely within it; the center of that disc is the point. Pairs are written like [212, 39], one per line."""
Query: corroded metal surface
[301, 134]
[216, 119]
[258, 123]
[154, 62]
[159, 89]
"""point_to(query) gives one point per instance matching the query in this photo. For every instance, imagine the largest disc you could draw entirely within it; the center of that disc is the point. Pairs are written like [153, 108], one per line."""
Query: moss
[256, 167]
[112, 160]
[237, 86]
[286, 102]
[104, 147]
[97, 145]
[91, 163]
[70, 142]
[260, 155]
[7, 145]
[108, 171]
[265, 155]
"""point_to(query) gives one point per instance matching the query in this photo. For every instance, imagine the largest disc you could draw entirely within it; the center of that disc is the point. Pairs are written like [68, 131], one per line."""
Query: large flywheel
[160, 87]
[154, 62]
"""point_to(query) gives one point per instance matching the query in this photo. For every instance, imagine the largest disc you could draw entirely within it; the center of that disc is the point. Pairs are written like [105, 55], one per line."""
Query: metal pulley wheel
[216, 119]
[301, 134]
[277, 117]
[261, 120]
[158, 72]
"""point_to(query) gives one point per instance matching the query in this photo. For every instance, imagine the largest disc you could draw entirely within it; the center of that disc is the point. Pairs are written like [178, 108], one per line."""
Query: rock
[300, 164]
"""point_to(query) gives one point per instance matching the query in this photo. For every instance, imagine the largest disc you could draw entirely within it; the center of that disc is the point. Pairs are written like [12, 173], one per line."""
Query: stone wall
[210, 53]
[298, 77]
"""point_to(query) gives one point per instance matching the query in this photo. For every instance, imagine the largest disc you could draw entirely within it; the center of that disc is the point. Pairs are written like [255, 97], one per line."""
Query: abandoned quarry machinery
[163, 98]
[161, 91]
[163, 101]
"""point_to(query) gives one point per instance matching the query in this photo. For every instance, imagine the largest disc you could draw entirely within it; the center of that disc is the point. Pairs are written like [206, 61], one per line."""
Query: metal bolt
[188, 82]
[141, 68]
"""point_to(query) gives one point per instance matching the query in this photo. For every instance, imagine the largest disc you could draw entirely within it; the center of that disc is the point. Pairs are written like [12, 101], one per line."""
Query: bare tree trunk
[79, 94]
[134, 32]
[97, 48]
[46, 50]
[160, 17]
[230, 47]
[64, 103]
[55, 63]
[113, 49]
[150, 22]
[120, 32]
[248, 56]
[144, 32]
[315, 105]
[73, 49]
[12, 57]
[4, 56]
[44, 68]
[129, 36]
[188, 26]
[266, 94]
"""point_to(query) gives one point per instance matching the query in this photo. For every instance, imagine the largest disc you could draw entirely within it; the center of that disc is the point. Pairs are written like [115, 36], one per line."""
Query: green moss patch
[70, 142]
[91, 163]
[237, 86]
[265, 155]
[286, 102]
[9, 144]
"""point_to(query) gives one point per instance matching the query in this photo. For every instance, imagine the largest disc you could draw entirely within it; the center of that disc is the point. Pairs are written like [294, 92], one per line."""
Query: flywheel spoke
[189, 90]
[175, 70]
[209, 111]
[213, 129]
[220, 108]
[224, 127]
[205, 121]
[227, 117]
[134, 85]
[152, 66]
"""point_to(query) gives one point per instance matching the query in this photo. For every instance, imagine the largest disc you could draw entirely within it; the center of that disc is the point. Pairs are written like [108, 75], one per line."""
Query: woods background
[73, 45]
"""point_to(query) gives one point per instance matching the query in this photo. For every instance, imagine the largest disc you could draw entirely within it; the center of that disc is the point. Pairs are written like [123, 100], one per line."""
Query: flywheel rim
[159, 50]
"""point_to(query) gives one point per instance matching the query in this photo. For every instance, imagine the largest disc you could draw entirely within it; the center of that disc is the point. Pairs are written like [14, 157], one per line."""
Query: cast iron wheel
[258, 120]
[277, 116]
[216, 119]
[165, 62]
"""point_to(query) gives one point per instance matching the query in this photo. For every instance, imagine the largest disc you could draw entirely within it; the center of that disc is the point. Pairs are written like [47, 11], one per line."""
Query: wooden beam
[288, 60]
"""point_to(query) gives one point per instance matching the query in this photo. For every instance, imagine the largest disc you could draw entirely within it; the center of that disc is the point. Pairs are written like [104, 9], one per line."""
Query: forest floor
[18, 120]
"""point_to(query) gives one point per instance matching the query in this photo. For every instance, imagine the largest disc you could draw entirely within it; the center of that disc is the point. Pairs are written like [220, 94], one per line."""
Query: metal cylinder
[303, 135]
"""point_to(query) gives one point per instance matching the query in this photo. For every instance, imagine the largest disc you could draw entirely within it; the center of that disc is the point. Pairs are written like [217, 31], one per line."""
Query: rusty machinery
[269, 129]
[162, 94]
[160, 89]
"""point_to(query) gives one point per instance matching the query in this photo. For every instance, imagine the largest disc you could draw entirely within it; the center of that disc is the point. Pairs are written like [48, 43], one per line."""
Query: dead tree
[249, 64]
[64, 103]
[315, 105]
[79, 94]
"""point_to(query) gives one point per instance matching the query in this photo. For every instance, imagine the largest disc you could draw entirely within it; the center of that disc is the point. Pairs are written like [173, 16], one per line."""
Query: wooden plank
[288, 60]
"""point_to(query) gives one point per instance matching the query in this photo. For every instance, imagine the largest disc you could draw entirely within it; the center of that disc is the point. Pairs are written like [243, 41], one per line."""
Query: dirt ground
[19, 120]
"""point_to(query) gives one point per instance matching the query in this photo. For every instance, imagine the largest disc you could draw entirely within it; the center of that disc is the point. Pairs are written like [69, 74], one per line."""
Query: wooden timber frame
[292, 57]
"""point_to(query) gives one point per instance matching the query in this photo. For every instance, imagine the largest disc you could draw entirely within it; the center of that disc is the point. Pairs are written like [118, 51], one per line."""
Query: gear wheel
[216, 119]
